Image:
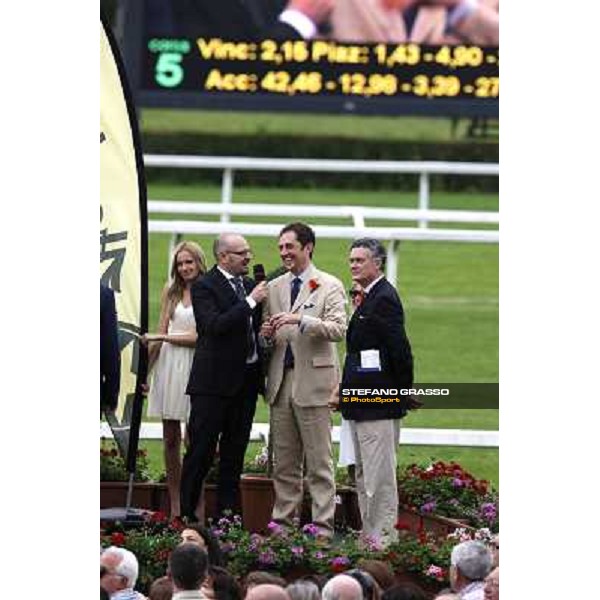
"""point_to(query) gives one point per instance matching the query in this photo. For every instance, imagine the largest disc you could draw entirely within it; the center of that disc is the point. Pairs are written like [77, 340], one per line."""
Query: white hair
[342, 587]
[303, 590]
[127, 566]
[473, 559]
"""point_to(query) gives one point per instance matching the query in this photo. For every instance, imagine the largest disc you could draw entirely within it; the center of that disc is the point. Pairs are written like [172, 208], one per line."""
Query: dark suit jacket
[230, 19]
[378, 324]
[110, 356]
[222, 345]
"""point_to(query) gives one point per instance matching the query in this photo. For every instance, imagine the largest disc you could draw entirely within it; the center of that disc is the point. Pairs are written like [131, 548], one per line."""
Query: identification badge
[369, 360]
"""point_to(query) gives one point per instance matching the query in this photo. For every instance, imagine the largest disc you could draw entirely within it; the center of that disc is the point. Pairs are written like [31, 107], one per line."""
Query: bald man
[266, 591]
[225, 378]
[342, 587]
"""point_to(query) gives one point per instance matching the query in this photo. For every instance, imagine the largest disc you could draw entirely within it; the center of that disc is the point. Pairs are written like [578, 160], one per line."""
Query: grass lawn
[304, 125]
[379, 198]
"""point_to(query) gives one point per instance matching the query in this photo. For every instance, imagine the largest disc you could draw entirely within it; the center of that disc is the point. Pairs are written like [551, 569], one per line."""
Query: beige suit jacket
[370, 21]
[324, 322]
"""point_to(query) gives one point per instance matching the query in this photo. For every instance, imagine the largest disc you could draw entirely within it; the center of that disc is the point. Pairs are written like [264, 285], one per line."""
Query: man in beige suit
[303, 317]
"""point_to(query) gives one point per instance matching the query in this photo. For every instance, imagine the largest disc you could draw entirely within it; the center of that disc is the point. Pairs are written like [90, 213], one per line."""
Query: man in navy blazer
[378, 356]
[226, 374]
[110, 355]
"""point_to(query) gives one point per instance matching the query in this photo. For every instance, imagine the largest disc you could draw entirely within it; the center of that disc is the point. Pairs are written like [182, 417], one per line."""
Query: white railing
[390, 234]
[358, 214]
[412, 436]
[229, 164]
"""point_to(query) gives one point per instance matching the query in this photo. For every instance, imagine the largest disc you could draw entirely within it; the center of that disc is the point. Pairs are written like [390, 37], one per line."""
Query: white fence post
[358, 217]
[423, 197]
[391, 266]
[173, 241]
[226, 193]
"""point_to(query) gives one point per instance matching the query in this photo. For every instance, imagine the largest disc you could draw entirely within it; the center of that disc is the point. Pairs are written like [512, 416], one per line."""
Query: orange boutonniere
[313, 284]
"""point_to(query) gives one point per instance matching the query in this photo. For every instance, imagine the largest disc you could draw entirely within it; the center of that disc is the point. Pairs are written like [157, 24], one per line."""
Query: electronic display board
[427, 57]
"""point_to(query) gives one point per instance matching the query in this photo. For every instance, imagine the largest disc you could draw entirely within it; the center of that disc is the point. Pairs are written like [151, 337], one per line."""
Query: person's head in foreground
[470, 563]
[370, 588]
[187, 565]
[491, 590]
[266, 591]
[161, 589]
[258, 577]
[404, 591]
[220, 584]
[120, 569]
[196, 533]
[303, 590]
[380, 571]
[342, 587]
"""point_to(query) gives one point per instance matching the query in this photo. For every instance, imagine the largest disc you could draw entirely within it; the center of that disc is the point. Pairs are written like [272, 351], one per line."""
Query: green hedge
[321, 147]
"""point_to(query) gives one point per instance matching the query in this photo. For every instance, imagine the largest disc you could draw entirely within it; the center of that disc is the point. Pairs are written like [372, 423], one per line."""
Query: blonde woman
[171, 353]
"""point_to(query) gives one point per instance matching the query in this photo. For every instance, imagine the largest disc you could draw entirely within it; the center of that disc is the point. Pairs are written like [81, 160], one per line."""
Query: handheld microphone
[259, 273]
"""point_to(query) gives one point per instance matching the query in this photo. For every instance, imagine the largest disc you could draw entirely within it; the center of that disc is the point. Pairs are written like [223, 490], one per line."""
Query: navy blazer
[222, 345]
[378, 324]
[110, 355]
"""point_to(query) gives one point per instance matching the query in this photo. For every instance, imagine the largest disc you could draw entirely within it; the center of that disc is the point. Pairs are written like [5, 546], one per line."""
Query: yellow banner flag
[123, 236]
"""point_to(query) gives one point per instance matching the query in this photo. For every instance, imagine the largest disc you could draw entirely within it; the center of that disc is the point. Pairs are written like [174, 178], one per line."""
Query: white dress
[167, 398]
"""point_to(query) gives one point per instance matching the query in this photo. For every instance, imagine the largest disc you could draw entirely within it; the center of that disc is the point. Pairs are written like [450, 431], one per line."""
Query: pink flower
[267, 558]
[310, 529]
[275, 528]
[372, 543]
[339, 564]
[435, 572]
